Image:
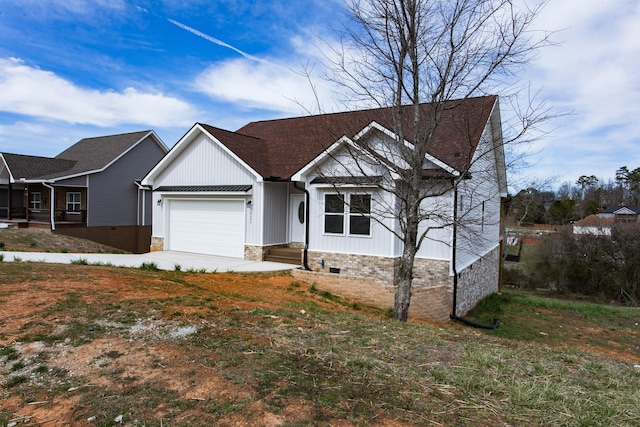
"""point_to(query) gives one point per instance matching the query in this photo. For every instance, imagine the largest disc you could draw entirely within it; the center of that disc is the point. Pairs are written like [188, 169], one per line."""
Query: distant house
[621, 214]
[593, 225]
[280, 185]
[601, 223]
[90, 190]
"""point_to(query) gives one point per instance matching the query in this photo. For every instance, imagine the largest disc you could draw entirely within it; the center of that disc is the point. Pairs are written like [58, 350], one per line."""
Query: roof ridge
[231, 131]
[28, 155]
[364, 110]
[115, 134]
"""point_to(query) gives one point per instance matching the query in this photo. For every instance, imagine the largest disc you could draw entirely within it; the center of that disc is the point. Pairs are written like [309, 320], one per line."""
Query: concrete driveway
[166, 260]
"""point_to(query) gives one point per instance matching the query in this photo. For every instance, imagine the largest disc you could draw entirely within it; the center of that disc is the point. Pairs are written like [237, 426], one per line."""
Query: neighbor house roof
[615, 209]
[277, 149]
[595, 221]
[87, 155]
[30, 167]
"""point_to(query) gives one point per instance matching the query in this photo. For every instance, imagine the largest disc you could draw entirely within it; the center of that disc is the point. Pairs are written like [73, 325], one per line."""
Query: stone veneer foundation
[372, 276]
[157, 244]
[432, 293]
[478, 281]
[427, 272]
[426, 303]
[254, 253]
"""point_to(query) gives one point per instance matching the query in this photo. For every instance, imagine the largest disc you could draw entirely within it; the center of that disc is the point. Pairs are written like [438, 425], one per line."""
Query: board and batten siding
[342, 163]
[113, 198]
[437, 244]
[479, 229]
[275, 213]
[378, 243]
[204, 162]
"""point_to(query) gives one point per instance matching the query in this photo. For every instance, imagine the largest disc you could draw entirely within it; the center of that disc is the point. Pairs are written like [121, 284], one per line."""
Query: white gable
[385, 142]
[203, 162]
[624, 211]
[200, 159]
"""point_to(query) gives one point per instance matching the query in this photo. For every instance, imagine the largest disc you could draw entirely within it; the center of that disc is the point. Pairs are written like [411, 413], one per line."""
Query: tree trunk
[404, 279]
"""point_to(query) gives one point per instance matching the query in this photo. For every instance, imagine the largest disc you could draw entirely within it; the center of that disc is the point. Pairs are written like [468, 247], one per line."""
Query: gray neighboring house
[90, 190]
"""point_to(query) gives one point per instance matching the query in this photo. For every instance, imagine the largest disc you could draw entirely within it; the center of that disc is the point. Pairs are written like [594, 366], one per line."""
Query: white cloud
[593, 72]
[37, 93]
[39, 138]
[265, 85]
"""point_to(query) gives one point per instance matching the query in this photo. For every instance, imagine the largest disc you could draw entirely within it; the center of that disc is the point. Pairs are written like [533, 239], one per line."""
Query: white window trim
[325, 213]
[359, 214]
[79, 202]
[32, 201]
[346, 214]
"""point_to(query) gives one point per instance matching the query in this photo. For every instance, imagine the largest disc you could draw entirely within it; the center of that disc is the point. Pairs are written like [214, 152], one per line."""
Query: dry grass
[39, 240]
[176, 348]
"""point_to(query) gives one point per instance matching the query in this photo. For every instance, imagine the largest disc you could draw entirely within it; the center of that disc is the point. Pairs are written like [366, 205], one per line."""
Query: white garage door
[214, 227]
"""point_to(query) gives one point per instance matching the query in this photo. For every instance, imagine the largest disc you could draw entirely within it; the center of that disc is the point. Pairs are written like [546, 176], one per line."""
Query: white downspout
[141, 219]
[52, 209]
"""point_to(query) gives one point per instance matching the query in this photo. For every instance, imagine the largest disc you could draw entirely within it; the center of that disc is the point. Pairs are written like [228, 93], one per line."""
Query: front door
[297, 218]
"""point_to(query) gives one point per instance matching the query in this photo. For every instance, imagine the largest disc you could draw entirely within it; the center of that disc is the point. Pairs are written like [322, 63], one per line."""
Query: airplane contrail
[217, 41]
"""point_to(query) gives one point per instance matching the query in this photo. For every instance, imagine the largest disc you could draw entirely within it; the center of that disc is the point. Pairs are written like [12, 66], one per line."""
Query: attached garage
[207, 226]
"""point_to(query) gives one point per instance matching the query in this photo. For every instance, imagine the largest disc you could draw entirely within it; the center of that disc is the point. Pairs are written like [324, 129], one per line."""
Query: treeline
[573, 201]
[607, 267]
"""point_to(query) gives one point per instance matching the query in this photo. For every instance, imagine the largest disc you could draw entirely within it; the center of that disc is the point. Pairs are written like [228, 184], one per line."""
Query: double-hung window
[36, 201]
[73, 202]
[360, 214]
[352, 212]
[333, 214]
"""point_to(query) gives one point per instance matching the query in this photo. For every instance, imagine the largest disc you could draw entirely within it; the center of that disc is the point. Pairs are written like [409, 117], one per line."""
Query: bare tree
[408, 54]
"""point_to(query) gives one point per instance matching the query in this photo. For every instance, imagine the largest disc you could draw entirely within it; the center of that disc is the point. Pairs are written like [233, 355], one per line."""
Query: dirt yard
[104, 346]
[77, 338]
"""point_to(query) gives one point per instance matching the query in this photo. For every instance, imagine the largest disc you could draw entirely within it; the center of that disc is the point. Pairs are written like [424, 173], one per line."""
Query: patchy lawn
[87, 345]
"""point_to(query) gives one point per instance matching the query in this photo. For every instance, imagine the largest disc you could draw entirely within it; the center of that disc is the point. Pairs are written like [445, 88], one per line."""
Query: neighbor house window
[73, 202]
[333, 214]
[36, 201]
[360, 214]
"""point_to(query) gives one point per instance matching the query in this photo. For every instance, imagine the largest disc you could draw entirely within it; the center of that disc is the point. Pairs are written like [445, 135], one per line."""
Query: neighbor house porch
[43, 206]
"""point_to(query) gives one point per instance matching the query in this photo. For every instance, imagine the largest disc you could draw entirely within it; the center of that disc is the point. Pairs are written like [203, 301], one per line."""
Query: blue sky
[71, 69]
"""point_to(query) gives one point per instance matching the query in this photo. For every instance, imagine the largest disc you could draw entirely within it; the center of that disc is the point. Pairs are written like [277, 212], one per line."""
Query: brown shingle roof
[279, 148]
[251, 150]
